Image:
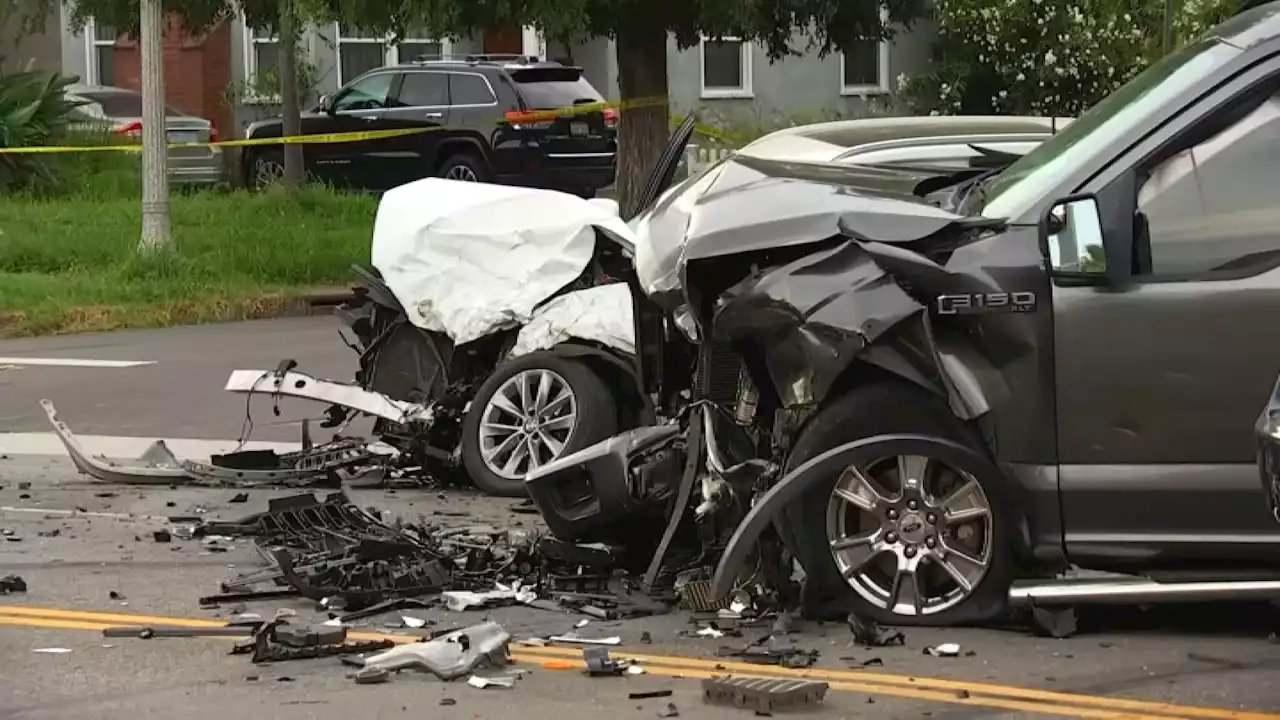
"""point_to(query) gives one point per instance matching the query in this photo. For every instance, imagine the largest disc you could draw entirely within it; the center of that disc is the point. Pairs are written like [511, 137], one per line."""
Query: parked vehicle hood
[746, 204]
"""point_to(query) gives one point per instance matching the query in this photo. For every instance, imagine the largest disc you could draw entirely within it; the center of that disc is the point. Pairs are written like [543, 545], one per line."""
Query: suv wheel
[266, 169]
[463, 166]
[905, 540]
[531, 411]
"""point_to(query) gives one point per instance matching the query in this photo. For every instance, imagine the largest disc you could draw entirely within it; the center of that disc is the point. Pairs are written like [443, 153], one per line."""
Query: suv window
[424, 89]
[470, 89]
[367, 93]
[120, 103]
[1212, 206]
[555, 87]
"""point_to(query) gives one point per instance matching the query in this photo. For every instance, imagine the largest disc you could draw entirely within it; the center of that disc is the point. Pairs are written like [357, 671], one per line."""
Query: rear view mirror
[1073, 238]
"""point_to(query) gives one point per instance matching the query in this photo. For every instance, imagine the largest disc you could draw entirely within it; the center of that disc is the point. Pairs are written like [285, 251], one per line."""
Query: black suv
[485, 109]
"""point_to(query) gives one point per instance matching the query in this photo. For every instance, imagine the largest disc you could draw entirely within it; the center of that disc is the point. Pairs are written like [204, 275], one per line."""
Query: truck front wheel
[905, 540]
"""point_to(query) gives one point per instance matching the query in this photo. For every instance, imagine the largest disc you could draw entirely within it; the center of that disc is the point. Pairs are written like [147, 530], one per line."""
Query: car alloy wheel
[910, 534]
[461, 172]
[267, 171]
[527, 423]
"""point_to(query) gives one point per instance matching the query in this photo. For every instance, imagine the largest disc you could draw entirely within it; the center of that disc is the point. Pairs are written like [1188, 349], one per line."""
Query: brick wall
[197, 70]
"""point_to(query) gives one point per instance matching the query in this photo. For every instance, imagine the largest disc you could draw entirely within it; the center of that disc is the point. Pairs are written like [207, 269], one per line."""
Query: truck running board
[1140, 591]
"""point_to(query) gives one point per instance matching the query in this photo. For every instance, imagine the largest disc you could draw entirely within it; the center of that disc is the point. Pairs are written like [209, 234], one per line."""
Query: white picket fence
[698, 158]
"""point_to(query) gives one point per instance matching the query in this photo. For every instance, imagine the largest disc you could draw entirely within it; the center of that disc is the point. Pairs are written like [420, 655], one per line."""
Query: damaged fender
[767, 509]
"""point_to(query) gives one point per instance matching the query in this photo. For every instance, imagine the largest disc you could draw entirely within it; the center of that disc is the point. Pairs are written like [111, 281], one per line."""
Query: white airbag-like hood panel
[469, 259]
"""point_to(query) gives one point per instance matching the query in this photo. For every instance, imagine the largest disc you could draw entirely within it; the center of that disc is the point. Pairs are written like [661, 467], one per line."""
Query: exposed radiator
[720, 370]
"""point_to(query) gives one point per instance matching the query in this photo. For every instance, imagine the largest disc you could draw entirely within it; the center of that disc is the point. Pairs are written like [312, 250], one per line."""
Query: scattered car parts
[451, 655]
[762, 694]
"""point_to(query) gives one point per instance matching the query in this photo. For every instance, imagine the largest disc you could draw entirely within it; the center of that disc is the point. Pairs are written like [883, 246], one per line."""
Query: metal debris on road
[669, 711]
[575, 639]
[371, 676]
[504, 682]
[599, 663]
[648, 694]
[52, 650]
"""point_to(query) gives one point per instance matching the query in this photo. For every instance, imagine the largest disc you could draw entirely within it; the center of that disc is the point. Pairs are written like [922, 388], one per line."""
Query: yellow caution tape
[367, 135]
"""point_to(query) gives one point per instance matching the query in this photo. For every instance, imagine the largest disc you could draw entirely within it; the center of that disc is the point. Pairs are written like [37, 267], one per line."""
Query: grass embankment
[69, 260]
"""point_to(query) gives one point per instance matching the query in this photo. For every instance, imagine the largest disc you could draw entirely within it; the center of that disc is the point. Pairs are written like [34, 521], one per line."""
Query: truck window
[1211, 206]
[1025, 185]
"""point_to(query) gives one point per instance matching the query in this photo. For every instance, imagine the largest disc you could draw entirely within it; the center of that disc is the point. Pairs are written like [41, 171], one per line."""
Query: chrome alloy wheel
[267, 171]
[527, 423]
[461, 172]
[910, 534]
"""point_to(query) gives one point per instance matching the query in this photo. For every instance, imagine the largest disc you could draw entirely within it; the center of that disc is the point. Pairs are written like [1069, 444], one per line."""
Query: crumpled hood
[747, 204]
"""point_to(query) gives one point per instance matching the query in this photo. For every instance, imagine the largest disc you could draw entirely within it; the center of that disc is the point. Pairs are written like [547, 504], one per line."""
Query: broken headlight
[684, 320]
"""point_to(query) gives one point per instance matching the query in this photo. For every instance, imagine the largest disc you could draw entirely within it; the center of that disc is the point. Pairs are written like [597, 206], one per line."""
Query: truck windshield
[1024, 184]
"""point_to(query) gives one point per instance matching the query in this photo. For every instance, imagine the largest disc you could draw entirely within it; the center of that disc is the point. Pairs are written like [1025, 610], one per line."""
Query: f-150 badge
[977, 303]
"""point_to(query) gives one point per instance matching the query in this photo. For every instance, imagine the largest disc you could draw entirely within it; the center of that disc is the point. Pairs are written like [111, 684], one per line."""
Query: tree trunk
[645, 125]
[290, 106]
[155, 144]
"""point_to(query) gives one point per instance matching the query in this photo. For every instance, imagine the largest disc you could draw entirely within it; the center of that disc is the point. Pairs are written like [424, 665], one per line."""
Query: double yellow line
[959, 692]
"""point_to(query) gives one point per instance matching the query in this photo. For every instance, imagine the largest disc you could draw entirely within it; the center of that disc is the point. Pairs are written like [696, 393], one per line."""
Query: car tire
[265, 167]
[464, 166]
[595, 418]
[891, 406]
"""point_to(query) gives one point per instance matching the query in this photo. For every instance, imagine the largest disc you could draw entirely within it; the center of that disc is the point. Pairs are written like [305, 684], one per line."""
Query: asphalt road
[1199, 662]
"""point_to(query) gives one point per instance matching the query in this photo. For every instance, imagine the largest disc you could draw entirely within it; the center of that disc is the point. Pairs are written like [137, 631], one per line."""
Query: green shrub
[34, 111]
[1046, 57]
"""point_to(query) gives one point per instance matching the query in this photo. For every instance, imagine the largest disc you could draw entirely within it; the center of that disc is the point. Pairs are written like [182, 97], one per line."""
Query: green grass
[69, 260]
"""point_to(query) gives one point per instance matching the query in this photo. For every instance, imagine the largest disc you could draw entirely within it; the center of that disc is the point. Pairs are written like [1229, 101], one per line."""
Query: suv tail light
[531, 119]
[611, 117]
[133, 129]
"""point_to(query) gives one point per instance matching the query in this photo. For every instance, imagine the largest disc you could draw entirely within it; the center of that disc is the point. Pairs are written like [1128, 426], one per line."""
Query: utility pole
[289, 93]
[155, 147]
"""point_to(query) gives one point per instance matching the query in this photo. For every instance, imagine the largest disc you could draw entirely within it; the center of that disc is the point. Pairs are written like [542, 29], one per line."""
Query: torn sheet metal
[601, 314]
[306, 387]
[468, 259]
[157, 466]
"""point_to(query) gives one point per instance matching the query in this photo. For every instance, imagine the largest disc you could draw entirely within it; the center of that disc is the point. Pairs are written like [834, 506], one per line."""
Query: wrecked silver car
[495, 312]
[922, 391]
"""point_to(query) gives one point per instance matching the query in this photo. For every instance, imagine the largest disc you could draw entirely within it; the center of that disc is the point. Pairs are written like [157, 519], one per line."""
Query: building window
[100, 63]
[360, 51]
[726, 67]
[864, 69]
[262, 55]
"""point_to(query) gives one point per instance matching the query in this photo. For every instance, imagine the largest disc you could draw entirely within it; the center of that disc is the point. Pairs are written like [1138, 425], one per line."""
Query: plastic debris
[579, 640]
[451, 655]
[711, 632]
[762, 694]
[868, 632]
[372, 676]
[599, 663]
[52, 650]
[669, 711]
[943, 650]
[12, 584]
[412, 622]
[1054, 622]
[649, 694]
[477, 681]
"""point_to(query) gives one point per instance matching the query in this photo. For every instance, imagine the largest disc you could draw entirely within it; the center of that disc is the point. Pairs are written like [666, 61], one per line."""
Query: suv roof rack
[478, 58]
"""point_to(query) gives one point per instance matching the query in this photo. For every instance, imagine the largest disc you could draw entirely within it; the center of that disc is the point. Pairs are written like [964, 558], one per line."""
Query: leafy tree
[1048, 57]
[642, 30]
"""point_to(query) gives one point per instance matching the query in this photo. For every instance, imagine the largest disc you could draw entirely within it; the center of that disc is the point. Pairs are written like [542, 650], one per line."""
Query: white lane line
[118, 448]
[73, 362]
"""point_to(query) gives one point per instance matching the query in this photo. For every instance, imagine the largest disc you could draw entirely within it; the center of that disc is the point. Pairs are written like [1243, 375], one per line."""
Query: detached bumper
[584, 494]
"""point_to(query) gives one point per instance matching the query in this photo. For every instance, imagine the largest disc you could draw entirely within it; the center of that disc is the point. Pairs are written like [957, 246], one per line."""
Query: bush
[1046, 57]
[34, 111]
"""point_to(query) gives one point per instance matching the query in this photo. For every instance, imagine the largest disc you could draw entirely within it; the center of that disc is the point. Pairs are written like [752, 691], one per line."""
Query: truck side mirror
[326, 104]
[1071, 238]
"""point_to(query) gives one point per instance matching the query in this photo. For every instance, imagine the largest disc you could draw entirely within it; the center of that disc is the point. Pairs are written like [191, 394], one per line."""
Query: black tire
[597, 416]
[889, 406]
[260, 163]
[464, 161]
